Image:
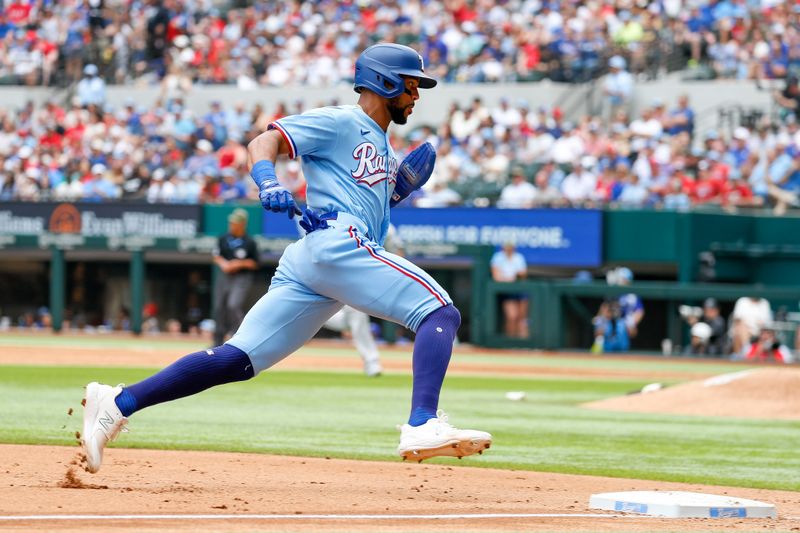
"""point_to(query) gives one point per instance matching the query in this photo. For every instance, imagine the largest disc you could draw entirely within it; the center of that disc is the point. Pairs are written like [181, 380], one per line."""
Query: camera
[688, 311]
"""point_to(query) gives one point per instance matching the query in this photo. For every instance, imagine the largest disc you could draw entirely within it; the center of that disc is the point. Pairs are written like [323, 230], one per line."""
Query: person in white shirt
[519, 194]
[494, 163]
[508, 266]
[569, 147]
[618, 85]
[580, 184]
[750, 314]
[161, 190]
[91, 89]
[438, 194]
[505, 115]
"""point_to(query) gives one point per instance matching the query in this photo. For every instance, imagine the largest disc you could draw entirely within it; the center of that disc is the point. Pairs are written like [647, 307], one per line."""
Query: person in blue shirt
[785, 176]
[681, 119]
[232, 189]
[98, 188]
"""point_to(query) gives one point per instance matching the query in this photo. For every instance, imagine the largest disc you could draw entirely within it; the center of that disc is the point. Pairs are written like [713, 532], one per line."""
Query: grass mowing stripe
[349, 416]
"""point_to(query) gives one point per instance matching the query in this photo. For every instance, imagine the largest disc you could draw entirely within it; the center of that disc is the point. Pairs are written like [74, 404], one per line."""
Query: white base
[680, 504]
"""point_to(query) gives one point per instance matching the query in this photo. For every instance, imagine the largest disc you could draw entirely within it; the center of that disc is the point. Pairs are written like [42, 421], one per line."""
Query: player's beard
[396, 112]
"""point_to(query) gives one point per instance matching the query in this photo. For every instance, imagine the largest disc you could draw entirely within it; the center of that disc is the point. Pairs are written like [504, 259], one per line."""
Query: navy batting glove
[311, 221]
[414, 172]
[277, 199]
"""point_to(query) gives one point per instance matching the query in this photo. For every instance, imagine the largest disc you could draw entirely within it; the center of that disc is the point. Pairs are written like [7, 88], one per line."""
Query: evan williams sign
[100, 220]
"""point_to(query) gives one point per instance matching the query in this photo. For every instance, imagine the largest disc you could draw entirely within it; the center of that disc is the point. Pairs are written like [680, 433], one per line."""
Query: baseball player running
[353, 180]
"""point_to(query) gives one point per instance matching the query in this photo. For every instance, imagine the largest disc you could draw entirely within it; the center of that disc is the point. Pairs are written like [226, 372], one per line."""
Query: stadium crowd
[508, 155]
[316, 43]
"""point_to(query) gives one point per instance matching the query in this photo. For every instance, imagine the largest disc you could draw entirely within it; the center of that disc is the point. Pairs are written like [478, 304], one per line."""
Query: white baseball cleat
[102, 422]
[437, 438]
[373, 369]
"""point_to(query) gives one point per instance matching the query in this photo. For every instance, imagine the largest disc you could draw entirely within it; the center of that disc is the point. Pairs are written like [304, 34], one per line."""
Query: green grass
[346, 415]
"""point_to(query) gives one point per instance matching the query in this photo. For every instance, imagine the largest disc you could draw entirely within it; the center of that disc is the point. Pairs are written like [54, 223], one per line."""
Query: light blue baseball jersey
[350, 169]
[348, 163]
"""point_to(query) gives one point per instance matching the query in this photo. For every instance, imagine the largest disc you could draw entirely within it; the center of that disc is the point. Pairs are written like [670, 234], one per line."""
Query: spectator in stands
[520, 193]
[750, 315]
[634, 193]
[98, 187]
[203, 158]
[547, 193]
[675, 196]
[785, 186]
[618, 86]
[232, 188]
[161, 190]
[681, 119]
[187, 187]
[437, 194]
[292, 178]
[508, 266]
[789, 98]
[92, 88]
[579, 186]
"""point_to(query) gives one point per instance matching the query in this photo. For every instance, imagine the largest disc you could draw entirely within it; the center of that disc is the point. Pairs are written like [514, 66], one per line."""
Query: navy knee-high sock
[188, 375]
[432, 349]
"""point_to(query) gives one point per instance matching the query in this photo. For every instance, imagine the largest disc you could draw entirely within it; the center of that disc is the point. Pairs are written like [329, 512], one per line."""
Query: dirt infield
[763, 393]
[146, 482]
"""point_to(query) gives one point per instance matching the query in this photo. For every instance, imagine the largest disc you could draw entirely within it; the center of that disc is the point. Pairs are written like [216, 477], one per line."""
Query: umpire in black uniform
[237, 258]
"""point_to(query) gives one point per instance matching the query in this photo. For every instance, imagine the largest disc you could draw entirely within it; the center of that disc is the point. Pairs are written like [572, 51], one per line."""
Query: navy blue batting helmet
[379, 68]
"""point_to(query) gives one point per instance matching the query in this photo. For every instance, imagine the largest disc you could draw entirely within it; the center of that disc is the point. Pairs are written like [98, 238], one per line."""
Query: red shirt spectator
[605, 186]
[462, 12]
[737, 192]
[368, 19]
[706, 188]
[687, 184]
[51, 139]
[531, 55]
[17, 13]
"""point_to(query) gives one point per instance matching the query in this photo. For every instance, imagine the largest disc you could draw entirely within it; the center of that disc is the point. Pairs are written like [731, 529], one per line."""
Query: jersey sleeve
[311, 133]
